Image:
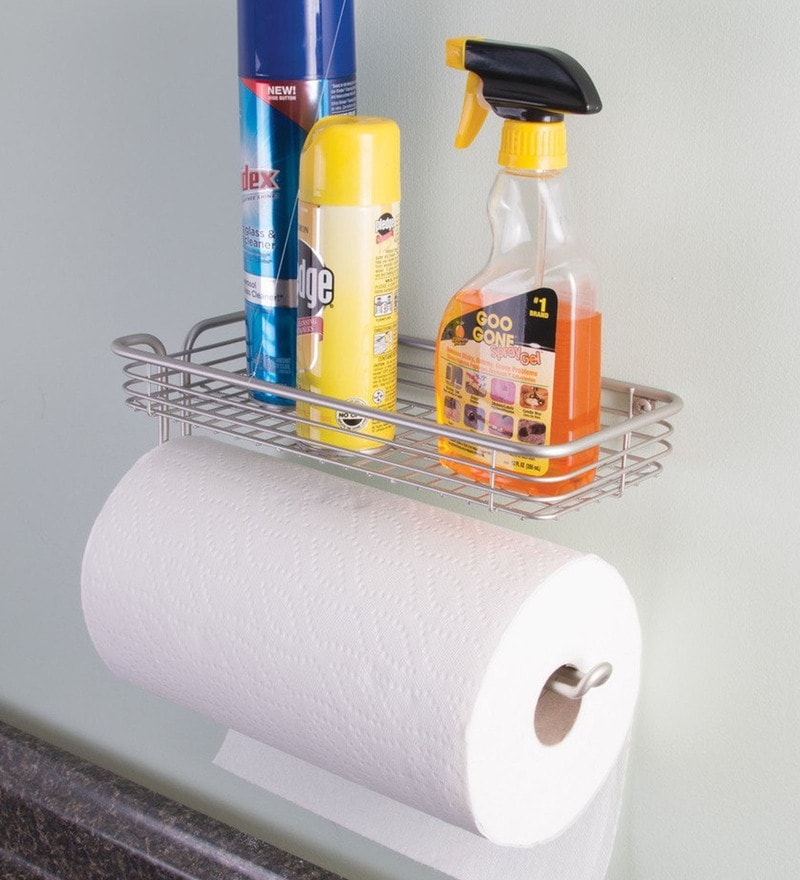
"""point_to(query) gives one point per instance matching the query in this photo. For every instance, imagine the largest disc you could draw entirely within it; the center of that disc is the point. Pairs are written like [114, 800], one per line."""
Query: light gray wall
[119, 154]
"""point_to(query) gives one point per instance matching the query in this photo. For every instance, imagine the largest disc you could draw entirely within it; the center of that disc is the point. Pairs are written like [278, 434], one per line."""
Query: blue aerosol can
[296, 65]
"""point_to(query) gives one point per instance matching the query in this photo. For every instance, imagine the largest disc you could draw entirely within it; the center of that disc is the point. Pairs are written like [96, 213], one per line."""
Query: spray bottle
[296, 65]
[518, 349]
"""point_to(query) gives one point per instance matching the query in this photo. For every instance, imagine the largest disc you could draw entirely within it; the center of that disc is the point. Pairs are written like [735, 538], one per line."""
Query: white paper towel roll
[398, 646]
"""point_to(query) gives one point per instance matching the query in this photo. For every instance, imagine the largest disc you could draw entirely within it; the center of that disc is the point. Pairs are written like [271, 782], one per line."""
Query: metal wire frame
[205, 385]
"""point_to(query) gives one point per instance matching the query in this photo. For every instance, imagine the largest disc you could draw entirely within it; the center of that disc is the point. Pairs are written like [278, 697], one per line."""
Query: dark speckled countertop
[62, 818]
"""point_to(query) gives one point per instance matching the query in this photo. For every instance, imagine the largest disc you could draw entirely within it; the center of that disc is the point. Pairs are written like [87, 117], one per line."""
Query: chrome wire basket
[204, 386]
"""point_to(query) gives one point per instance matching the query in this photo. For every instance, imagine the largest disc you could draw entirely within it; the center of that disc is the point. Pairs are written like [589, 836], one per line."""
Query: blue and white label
[275, 118]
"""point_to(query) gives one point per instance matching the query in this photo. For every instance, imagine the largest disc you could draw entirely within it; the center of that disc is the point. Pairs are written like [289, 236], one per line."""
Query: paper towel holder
[569, 682]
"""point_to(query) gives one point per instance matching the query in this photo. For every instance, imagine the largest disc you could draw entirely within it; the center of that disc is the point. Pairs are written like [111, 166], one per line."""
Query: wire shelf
[205, 385]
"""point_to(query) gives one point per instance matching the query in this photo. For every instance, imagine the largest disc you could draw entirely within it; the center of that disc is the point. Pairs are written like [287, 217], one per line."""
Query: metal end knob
[573, 684]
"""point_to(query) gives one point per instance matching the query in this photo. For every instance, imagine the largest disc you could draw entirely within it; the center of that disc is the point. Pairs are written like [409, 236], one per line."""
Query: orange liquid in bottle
[575, 401]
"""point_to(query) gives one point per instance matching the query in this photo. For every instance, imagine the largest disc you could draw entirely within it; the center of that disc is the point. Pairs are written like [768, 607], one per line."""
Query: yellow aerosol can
[347, 278]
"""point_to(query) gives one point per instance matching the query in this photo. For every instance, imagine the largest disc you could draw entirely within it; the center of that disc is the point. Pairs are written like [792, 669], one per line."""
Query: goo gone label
[347, 285]
[498, 363]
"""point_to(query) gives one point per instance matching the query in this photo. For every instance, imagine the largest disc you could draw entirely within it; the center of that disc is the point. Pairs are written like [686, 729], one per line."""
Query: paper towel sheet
[395, 645]
[581, 852]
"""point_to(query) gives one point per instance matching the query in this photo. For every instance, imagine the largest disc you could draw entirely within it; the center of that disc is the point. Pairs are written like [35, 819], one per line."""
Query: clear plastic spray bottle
[518, 348]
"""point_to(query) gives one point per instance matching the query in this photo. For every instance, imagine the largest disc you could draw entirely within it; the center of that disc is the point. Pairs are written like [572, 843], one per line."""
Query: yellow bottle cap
[539, 146]
[351, 160]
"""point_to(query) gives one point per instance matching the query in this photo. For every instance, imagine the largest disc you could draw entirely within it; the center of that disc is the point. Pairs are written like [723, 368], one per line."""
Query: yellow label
[347, 286]
[496, 372]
